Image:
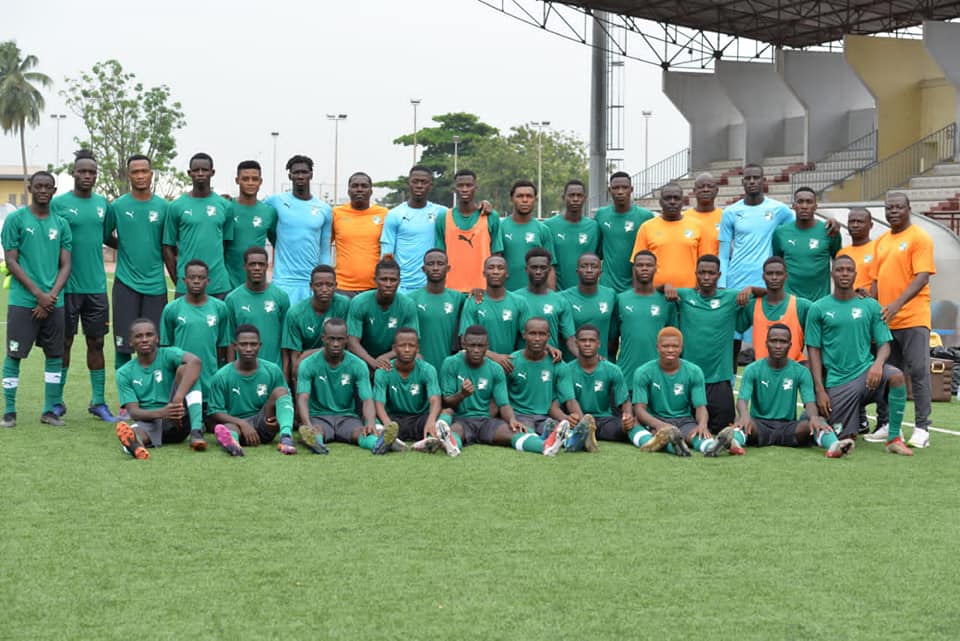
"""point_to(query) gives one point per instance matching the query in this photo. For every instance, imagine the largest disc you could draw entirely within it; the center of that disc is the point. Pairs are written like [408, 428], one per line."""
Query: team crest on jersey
[545, 375]
[344, 379]
[158, 375]
[119, 341]
[628, 226]
[582, 239]
[548, 308]
[211, 320]
[14, 346]
[688, 233]
[269, 306]
[100, 212]
[903, 246]
[867, 259]
[52, 234]
[654, 310]
[431, 217]
[677, 389]
[528, 237]
[153, 216]
[787, 384]
[448, 308]
[482, 383]
[211, 210]
[391, 323]
[604, 308]
[257, 221]
[856, 312]
[814, 243]
[376, 220]
[507, 314]
[768, 215]
[314, 211]
[261, 389]
[415, 389]
[598, 386]
[715, 303]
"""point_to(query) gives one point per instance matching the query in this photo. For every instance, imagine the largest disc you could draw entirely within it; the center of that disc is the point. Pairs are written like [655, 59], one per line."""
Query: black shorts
[411, 426]
[337, 428]
[478, 429]
[770, 432]
[610, 428]
[534, 421]
[265, 431]
[163, 430]
[90, 309]
[719, 405]
[686, 425]
[24, 331]
[128, 306]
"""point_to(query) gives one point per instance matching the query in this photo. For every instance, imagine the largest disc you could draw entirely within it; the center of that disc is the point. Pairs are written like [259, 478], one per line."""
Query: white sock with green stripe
[639, 435]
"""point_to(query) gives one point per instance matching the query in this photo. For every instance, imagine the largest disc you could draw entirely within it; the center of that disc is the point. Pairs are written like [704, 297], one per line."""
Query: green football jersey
[532, 385]
[599, 309]
[253, 225]
[198, 329]
[198, 227]
[670, 395]
[406, 396]
[708, 324]
[38, 241]
[152, 386]
[375, 326]
[439, 319]
[778, 310]
[139, 227]
[86, 217]
[594, 391]
[334, 390]
[503, 319]
[267, 310]
[772, 393]
[518, 239]
[844, 330]
[640, 319]
[489, 382]
[571, 240]
[618, 233]
[807, 253]
[243, 396]
[303, 326]
[467, 223]
[554, 308]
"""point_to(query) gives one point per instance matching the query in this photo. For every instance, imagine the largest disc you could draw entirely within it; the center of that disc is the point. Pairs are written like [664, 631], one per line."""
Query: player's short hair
[387, 262]
[299, 158]
[465, 172]
[195, 262]
[780, 326]
[859, 210]
[522, 183]
[837, 259]
[434, 250]
[248, 164]
[670, 332]
[323, 269]
[775, 260]
[476, 330]
[333, 321]
[672, 185]
[420, 168]
[42, 172]
[709, 258]
[645, 252]
[899, 194]
[255, 249]
[800, 190]
[571, 183]
[246, 328]
[406, 330]
[200, 155]
[588, 327]
[536, 318]
[141, 321]
[538, 252]
[753, 165]
[620, 174]
[359, 173]
[589, 254]
[139, 157]
[83, 154]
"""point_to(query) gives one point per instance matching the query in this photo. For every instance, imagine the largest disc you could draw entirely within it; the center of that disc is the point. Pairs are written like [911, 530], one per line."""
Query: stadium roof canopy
[782, 23]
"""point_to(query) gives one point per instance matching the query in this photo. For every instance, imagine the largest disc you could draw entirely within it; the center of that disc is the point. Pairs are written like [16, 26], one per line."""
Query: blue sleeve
[325, 232]
[388, 235]
[785, 215]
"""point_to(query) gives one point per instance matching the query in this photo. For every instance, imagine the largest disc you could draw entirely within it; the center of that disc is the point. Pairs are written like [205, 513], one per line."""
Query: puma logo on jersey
[130, 213]
[322, 378]
[902, 246]
[868, 258]
[578, 385]
[577, 307]
[791, 241]
[29, 230]
[423, 307]
[182, 319]
[522, 375]
[483, 313]
[100, 212]
[765, 383]
[235, 390]
[188, 212]
[629, 308]
[606, 224]
[656, 385]
[466, 239]
[828, 314]
[548, 308]
[75, 212]
[245, 308]
[688, 233]
[311, 329]
[508, 236]
[137, 381]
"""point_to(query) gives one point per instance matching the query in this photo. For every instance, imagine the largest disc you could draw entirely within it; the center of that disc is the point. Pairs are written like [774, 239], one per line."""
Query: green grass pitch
[780, 544]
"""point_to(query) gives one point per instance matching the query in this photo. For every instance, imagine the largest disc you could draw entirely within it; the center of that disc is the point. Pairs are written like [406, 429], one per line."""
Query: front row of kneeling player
[542, 406]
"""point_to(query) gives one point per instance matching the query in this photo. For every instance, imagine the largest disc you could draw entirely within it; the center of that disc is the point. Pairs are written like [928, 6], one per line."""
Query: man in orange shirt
[901, 285]
[862, 250]
[706, 211]
[676, 240]
[356, 236]
[468, 235]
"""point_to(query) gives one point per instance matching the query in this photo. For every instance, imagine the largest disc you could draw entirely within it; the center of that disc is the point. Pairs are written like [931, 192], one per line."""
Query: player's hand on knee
[250, 436]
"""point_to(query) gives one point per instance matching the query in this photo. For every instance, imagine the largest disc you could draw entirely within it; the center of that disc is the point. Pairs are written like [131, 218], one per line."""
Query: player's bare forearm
[303, 408]
[353, 344]
[63, 273]
[436, 406]
[381, 411]
[815, 365]
[644, 417]
[12, 259]
[703, 418]
[572, 346]
[170, 261]
[883, 353]
[368, 412]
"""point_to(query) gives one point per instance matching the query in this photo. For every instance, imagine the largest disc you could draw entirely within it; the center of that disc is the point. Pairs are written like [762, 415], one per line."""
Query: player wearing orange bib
[676, 241]
[467, 235]
[356, 236]
[778, 307]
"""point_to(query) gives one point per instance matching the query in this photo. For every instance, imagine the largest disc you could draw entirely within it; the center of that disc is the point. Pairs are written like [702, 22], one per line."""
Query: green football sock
[285, 415]
[98, 379]
[896, 401]
[826, 438]
[701, 444]
[527, 442]
[63, 375]
[457, 438]
[120, 359]
[367, 442]
[11, 380]
[52, 391]
[195, 407]
[740, 437]
[639, 435]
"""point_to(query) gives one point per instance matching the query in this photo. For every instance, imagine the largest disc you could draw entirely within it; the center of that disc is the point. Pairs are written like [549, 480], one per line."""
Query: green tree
[20, 99]
[123, 118]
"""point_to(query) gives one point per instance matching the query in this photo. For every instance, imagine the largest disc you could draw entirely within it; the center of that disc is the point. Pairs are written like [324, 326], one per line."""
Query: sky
[245, 71]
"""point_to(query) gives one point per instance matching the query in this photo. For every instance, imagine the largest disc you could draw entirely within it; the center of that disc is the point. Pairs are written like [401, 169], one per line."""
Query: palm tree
[20, 100]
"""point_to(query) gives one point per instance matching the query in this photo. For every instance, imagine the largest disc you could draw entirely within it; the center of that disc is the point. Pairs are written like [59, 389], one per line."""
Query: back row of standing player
[200, 225]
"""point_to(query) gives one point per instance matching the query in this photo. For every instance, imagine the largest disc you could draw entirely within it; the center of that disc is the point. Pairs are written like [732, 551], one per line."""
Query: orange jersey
[677, 244]
[467, 250]
[710, 223]
[865, 256]
[900, 257]
[356, 236]
[761, 325]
